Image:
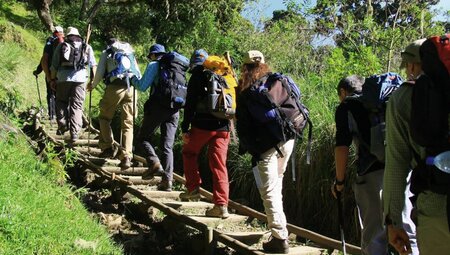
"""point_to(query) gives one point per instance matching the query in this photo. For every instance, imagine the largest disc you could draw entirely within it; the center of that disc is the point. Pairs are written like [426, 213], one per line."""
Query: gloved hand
[129, 75]
[35, 73]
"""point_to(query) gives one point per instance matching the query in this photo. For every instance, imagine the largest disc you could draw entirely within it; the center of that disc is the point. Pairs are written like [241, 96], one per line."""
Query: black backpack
[73, 54]
[274, 102]
[376, 91]
[171, 88]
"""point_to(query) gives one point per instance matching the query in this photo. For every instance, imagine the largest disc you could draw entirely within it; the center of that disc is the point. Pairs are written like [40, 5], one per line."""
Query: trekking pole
[88, 35]
[39, 94]
[341, 220]
[134, 118]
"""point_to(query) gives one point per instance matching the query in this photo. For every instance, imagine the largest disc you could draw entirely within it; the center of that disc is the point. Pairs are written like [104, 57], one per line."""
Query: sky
[271, 5]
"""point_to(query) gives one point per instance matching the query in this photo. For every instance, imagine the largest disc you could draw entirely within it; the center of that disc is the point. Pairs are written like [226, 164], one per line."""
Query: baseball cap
[253, 56]
[411, 53]
[156, 48]
[198, 57]
[58, 29]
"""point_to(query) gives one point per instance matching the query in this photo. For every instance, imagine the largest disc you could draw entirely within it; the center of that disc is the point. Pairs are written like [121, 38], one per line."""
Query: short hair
[351, 84]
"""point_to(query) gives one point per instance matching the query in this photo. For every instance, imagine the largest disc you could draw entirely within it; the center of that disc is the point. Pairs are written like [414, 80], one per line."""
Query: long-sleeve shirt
[149, 78]
[399, 155]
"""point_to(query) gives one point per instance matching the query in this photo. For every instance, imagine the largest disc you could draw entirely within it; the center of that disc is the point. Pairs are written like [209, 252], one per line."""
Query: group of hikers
[392, 150]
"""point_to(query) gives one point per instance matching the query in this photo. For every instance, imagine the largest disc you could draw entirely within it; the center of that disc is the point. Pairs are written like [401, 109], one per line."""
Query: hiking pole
[341, 219]
[89, 121]
[39, 94]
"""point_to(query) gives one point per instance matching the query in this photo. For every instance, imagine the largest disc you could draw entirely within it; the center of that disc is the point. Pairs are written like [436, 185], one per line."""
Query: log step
[213, 221]
[81, 142]
[178, 205]
[248, 238]
[135, 171]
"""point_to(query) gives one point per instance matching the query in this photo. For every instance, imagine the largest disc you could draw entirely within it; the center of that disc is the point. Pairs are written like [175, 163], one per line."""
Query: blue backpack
[171, 88]
[123, 56]
[376, 91]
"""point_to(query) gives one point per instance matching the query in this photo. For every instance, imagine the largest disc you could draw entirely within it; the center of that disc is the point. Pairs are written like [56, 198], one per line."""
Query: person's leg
[126, 101]
[152, 120]
[408, 224]
[367, 189]
[78, 94]
[433, 235]
[108, 105]
[217, 158]
[168, 132]
[269, 179]
[197, 139]
[51, 104]
[62, 102]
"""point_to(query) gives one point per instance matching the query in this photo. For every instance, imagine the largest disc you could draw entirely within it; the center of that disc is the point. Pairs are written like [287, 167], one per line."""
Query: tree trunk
[43, 11]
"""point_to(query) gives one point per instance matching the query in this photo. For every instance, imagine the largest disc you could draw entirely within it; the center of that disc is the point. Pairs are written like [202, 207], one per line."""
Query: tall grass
[38, 215]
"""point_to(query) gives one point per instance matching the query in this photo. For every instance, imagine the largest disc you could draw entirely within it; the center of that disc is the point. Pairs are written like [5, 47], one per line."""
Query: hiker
[116, 66]
[270, 152]
[160, 111]
[44, 65]
[69, 75]
[200, 129]
[405, 151]
[353, 124]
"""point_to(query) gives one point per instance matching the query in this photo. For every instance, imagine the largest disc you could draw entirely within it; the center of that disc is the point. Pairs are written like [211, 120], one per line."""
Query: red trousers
[217, 142]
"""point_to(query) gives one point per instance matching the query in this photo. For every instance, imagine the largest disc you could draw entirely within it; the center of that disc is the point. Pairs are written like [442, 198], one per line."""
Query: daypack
[73, 54]
[430, 112]
[275, 102]
[125, 62]
[171, 88]
[376, 91]
[221, 89]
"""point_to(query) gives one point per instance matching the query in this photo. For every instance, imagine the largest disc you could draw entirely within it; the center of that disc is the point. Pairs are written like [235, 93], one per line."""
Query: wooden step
[136, 171]
[213, 221]
[137, 180]
[305, 250]
[156, 194]
[104, 161]
[178, 205]
[81, 142]
[248, 238]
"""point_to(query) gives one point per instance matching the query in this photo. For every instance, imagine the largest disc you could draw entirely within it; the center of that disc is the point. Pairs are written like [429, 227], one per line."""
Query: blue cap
[157, 48]
[198, 57]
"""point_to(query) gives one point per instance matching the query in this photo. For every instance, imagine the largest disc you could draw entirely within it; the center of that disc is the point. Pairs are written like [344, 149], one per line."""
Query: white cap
[73, 31]
[58, 29]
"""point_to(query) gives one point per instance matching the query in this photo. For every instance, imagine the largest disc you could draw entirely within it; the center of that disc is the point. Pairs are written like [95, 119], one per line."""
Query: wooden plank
[189, 205]
[135, 171]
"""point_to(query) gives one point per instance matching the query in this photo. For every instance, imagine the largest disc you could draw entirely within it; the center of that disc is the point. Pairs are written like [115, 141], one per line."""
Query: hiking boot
[165, 185]
[190, 196]
[73, 138]
[155, 169]
[61, 130]
[108, 153]
[125, 163]
[218, 211]
[275, 245]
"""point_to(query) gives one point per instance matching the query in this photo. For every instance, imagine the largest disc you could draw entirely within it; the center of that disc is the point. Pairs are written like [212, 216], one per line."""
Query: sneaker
[165, 185]
[108, 153]
[190, 196]
[125, 163]
[155, 169]
[219, 211]
[275, 245]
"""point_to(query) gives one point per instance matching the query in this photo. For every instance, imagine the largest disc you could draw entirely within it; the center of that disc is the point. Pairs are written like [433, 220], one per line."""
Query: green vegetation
[366, 39]
[38, 216]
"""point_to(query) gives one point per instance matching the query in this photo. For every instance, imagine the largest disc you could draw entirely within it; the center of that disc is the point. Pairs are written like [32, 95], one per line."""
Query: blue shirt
[149, 78]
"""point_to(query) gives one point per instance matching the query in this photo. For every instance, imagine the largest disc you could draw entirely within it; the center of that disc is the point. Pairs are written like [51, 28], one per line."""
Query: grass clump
[38, 215]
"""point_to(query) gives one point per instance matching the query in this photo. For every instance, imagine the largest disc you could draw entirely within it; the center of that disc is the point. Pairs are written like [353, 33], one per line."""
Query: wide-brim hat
[72, 31]
[58, 29]
[156, 49]
[411, 53]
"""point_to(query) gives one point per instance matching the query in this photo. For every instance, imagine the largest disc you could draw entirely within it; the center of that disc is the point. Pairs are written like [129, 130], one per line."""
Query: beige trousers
[116, 96]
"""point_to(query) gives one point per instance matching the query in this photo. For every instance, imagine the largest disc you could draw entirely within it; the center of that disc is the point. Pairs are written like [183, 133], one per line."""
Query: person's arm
[55, 66]
[100, 72]
[45, 65]
[341, 151]
[92, 65]
[191, 101]
[398, 162]
[150, 75]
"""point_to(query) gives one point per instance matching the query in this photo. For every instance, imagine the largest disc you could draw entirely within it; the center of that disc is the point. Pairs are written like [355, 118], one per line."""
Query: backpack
[125, 62]
[171, 88]
[376, 91]
[275, 102]
[73, 54]
[221, 89]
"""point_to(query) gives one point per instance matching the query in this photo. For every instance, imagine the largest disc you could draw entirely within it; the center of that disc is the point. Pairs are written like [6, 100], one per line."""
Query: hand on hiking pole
[35, 73]
[337, 187]
[399, 240]
[89, 87]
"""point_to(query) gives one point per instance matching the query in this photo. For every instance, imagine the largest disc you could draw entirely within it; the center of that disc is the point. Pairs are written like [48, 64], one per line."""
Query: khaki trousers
[269, 174]
[116, 96]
